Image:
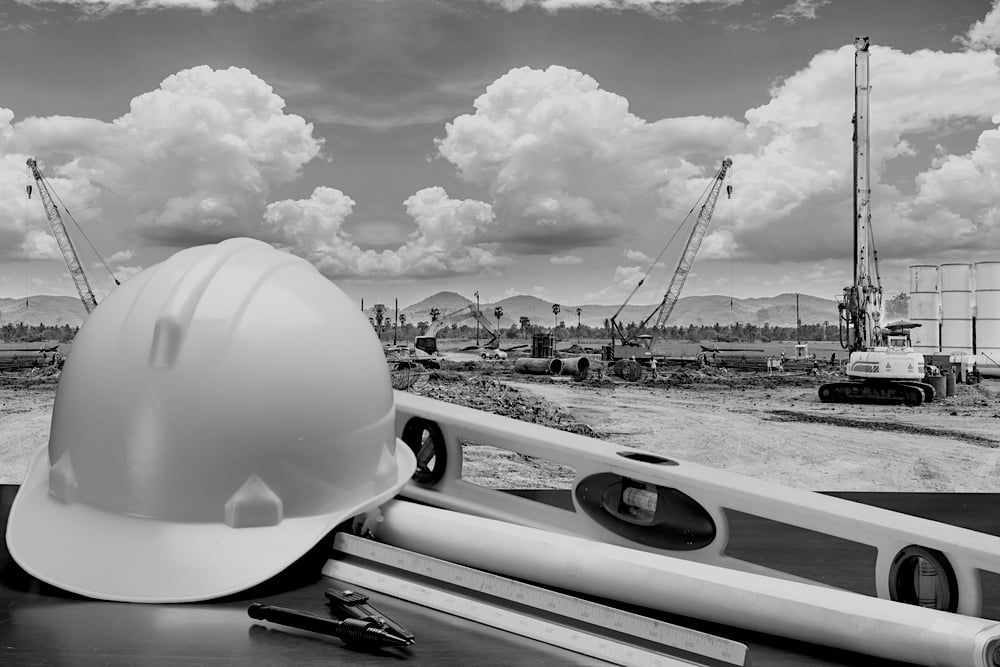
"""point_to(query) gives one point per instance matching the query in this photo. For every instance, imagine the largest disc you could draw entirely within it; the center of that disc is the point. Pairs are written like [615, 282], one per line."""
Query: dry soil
[769, 427]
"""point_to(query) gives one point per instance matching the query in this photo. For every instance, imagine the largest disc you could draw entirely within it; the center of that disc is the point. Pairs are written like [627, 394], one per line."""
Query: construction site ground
[770, 427]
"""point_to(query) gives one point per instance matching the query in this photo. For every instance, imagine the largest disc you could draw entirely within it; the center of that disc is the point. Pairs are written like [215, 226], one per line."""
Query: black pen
[350, 630]
[352, 604]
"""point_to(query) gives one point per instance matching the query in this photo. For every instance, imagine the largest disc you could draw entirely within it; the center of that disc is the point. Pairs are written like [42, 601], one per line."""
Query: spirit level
[632, 498]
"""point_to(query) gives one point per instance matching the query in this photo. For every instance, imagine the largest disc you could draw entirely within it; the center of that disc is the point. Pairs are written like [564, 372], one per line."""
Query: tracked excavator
[883, 367]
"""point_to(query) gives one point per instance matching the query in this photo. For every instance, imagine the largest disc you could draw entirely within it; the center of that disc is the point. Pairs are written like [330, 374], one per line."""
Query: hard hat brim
[110, 556]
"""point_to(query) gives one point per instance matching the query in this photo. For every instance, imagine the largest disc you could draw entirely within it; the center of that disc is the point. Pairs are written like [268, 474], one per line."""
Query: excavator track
[907, 393]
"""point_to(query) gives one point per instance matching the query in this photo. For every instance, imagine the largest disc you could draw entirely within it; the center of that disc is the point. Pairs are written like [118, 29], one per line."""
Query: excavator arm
[62, 238]
[464, 313]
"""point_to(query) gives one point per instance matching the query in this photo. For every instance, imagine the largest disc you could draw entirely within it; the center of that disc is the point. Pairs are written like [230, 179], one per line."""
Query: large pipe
[806, 612]
[574, 365]
[532, 366]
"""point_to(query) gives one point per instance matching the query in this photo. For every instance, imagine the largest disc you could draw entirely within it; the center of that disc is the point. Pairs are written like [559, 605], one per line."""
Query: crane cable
[80, 229]
[670, 241]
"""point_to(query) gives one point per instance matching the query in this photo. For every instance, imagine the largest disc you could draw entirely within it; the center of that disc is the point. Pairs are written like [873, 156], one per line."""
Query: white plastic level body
[632, 498]
[819, 615]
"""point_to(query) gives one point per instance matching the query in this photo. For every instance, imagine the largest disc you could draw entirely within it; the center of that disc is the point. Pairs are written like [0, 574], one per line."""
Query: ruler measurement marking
[550, 633]
[593, 613]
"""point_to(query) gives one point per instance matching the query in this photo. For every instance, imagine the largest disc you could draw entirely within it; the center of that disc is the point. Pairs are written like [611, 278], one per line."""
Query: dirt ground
[769, 427]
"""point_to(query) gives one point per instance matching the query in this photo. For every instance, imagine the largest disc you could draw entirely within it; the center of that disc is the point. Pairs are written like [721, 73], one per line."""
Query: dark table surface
[41, 625]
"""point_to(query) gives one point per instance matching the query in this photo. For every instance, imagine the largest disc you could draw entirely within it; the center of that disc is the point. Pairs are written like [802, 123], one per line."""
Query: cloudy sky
[546, 147]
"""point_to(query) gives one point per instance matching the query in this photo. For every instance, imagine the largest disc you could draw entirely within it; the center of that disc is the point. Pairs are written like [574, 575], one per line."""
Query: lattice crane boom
[691, 248]
[62, 238]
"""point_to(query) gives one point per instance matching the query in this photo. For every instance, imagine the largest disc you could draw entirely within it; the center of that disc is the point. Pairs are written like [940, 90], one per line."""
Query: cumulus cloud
[800, 10]
[984, 34]
[663, 8]
[564, 160]
[796, 179]
[449, 239]
[637, 256]
[40, 245]
[195, 159]
[110, 6]
[121, 256]
[566, 259]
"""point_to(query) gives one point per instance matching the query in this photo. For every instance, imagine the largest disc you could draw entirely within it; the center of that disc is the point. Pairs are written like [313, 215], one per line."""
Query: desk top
[41, 625]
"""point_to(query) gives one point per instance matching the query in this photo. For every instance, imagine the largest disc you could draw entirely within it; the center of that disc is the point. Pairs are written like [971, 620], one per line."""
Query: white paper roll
[816, 614]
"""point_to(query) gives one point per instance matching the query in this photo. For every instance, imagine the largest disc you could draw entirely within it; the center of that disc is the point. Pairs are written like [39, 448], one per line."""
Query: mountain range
[43, 309]
[778, 311]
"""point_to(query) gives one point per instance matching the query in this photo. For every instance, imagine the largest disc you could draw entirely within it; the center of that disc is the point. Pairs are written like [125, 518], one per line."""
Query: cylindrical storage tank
[988, 318]
[924, 278]
[925, 308]
[956, 307]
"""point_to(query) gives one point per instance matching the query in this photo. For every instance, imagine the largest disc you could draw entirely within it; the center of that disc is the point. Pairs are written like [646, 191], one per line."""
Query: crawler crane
[883, 367]
[637, 348]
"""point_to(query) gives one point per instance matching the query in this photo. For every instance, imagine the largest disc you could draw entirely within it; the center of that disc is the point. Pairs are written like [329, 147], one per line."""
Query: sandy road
[25, 417]
[786, 435]
[778, 432]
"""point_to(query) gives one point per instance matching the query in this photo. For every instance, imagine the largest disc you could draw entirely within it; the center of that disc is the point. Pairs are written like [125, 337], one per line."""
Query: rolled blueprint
[801, 611]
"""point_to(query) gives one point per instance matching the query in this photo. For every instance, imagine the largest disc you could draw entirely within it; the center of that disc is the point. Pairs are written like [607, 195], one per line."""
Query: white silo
[956, 307]
[925, 308]
[988, 317]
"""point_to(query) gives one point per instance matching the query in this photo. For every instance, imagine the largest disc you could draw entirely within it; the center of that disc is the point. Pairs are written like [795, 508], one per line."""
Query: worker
[652, 364]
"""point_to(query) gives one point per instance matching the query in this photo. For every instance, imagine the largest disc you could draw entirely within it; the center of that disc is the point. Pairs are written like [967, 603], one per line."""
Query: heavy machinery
[425, 348]
[62, 238]
[883, 366]
[630, 351]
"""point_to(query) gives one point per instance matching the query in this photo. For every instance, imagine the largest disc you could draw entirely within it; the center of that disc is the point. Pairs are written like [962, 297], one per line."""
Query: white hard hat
[219, 414]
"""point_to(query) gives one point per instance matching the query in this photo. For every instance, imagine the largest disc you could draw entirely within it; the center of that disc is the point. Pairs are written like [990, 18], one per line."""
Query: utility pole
[798, 321]
[477, 320]
[578, 311]
[395, 324]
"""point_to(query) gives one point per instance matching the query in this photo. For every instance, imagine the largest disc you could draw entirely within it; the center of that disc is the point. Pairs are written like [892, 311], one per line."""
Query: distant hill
[778, 311]
[43, 309]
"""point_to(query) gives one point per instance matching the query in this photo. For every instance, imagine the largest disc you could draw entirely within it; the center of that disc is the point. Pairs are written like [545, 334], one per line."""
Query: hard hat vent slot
[166, 342]
[62, 480]
[254, 505]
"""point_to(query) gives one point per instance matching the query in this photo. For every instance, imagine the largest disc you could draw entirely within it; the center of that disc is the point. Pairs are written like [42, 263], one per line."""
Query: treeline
[738, 332]
[37, 333]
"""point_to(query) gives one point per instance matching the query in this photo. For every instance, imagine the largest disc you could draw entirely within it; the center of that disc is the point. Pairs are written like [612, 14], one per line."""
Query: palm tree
[525, 323]
[435, 313]
[379, 314]
[498, 313]
[578, 312]
[555, 311]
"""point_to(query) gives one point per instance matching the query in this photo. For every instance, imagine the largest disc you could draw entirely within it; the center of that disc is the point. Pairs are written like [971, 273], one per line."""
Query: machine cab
[898, 343]
[426, 344]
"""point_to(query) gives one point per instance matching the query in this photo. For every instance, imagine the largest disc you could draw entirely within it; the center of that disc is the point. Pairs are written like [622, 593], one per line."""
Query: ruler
[583, 626]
